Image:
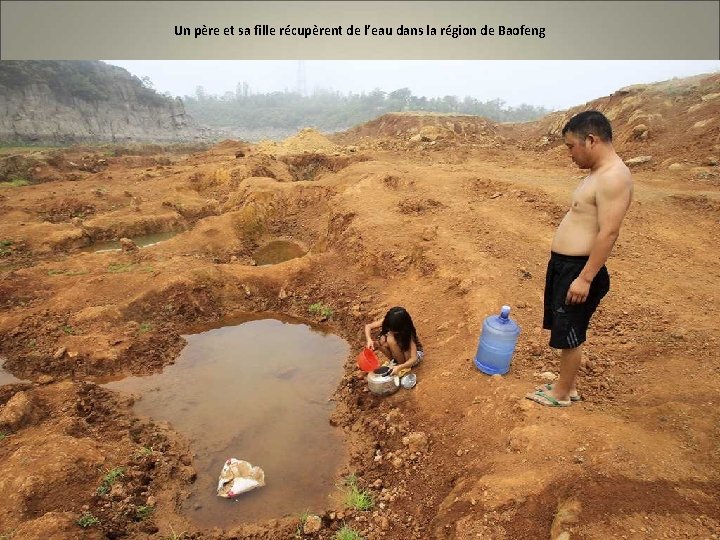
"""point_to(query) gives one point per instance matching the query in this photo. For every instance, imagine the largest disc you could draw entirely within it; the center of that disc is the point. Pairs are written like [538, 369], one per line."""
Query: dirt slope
[451, 227]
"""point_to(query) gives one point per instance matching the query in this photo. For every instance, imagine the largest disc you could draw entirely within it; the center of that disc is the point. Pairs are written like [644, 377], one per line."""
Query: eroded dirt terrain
[450, 217]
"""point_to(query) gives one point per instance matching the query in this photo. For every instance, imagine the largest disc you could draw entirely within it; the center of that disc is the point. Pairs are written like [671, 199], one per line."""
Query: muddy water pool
[146, 240]
[5, 376]
[278, 251]
[256, 390]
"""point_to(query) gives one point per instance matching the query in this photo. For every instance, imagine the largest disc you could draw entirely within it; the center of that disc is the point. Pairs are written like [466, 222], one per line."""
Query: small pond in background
[6, 377]
[278, 251]
[146, 240]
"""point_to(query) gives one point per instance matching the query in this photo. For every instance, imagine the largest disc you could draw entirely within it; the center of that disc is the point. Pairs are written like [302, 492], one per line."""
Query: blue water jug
[497, 343]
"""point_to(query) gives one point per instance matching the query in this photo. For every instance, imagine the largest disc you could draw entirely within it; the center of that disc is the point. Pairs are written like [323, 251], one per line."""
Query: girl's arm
[409, 362]
[368, 328]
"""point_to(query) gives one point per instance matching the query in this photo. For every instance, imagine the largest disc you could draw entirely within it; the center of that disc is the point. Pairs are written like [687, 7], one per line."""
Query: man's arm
[612, 199]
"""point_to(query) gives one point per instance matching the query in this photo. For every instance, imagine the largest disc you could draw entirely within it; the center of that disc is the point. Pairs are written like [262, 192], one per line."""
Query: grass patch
[303, 519]
[357, 498]
[144, 512]
[111, 476]
[69, 330]
[60, 272]
[5, 247]
[144, 451]
[17, 181]
[347, 533]
[145, 327]
[119, 268]
[23, 150]
[87, 520]
[321, 309]
[2, 435]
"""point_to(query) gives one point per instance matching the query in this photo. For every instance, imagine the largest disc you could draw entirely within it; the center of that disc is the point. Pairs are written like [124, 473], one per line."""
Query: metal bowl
[408, 381]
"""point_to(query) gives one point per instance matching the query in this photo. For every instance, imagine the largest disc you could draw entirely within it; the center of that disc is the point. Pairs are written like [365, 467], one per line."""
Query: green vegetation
[4, 150]
[332, 111]
[143, 512]
[2, 435]
[69, 330]
[145, 327]
[347, 533]
[60, 272]
[87, 520]
[303, 519]
[355, 497]
[321, 309]
[119, 268]
[16, 181]
[5, 247]
[144, 451]
[88, 80]
[111, 476]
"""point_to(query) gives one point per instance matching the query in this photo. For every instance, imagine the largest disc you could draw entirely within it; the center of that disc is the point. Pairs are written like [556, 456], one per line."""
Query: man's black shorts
[568, 323]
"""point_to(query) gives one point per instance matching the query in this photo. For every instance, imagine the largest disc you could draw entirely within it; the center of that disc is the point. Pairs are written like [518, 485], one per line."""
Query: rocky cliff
[63, 102]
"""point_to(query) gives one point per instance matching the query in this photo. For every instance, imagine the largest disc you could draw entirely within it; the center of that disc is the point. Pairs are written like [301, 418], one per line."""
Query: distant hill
[252, 116]
[62, 102]
[672, 123]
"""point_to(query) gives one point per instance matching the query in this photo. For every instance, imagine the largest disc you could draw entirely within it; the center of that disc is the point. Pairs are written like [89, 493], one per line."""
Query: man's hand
[578, 291]
[370, 344]
[397, 369]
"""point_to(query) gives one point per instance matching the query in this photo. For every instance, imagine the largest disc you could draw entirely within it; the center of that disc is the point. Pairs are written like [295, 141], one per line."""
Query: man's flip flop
[574, 396]
[543, 399]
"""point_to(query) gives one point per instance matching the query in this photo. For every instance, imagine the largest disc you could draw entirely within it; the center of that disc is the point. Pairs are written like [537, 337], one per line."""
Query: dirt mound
[674, 123]
[306, 140]
[421, 127]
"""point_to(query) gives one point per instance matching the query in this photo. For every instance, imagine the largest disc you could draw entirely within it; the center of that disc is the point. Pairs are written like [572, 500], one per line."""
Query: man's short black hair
[589, 122]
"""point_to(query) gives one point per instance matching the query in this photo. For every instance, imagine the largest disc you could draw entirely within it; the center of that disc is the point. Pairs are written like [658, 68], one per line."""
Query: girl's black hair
[398, 321]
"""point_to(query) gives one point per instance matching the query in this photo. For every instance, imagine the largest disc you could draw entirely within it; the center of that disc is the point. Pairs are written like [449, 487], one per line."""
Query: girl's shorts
[418, 358]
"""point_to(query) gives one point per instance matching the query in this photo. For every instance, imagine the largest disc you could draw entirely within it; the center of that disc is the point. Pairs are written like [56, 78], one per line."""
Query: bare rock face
[112, 107]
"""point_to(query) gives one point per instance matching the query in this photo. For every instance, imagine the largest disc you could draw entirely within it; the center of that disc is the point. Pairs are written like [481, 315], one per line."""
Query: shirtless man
[576, 278]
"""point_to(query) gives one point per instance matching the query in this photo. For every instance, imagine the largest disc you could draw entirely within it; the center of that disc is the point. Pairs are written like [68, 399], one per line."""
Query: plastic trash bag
[238, 476]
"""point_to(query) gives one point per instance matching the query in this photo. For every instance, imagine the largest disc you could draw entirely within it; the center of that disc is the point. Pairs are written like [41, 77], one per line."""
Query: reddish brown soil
[451, 218]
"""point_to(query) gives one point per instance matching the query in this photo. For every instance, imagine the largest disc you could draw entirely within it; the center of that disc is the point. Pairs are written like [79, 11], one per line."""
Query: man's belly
[574, 236]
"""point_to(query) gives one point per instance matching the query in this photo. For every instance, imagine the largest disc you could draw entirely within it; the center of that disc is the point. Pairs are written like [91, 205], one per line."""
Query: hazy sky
[554, 84]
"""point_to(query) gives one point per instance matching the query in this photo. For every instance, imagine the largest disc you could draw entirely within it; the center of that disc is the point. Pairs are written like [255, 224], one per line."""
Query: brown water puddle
[256, 390]
[278, 251]
[143, 241]
[6, 377]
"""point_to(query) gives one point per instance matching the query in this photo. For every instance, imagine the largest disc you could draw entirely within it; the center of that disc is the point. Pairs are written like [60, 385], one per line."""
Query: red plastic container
[367, 360]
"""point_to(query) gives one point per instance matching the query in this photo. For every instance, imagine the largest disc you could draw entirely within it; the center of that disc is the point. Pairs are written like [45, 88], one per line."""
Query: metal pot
[381, 383]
